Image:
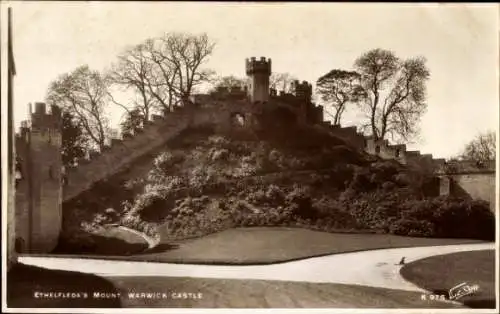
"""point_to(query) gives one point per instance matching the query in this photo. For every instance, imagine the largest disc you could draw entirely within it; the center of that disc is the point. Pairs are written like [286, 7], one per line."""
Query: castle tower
[303, 93]
[39, 193]
[258, 72]
[303, 90]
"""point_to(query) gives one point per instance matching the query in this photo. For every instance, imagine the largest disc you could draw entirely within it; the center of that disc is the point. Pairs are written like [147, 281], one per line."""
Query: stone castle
[43, 185]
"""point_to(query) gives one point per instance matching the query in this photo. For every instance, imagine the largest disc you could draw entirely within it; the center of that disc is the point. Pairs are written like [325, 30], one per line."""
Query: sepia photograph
[161, 157]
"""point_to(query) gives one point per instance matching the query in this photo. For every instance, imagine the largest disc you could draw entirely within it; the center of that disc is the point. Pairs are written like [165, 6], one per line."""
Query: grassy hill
[203, 182]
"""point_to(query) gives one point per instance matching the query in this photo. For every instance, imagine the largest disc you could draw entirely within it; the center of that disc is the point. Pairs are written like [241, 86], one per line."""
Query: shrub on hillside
[375, 209]
[384, 171]
[402, 179]
[277, 158]
[199, 176]
[219, 154]
[257, 197]
[333, 214]
[136, 223]
[133, 184]
[341, 153]
[153, 201]
[453, 217]
[384, 175]
[300, 201]
[361, 180]
[247, 166]
[412, 228]
[189, 206]
[219, 141]
[166, 160]
[400, 211]
[275, 195]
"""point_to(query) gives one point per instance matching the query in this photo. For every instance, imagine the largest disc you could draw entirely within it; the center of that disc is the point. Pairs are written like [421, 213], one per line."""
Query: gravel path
[375, 268]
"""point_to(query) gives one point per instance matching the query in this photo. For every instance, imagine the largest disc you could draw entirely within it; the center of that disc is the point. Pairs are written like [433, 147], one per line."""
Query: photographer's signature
[462, 290]
[454, 293]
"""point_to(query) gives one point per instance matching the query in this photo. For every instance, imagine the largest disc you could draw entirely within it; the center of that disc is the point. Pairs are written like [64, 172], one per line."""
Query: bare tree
[281, 82]
[395, 93]
[337, 88]
[161, 82]
[178, 60]
[162, 71]
[134, 71]
[84, 94]
[481, 149]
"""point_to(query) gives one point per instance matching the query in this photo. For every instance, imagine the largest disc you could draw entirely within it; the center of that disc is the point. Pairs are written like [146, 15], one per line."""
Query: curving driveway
[375, 268]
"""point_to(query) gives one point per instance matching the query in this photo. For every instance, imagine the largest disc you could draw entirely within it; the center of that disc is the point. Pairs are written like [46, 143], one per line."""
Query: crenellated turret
[302, 90]
[258, 71]
[43, 120]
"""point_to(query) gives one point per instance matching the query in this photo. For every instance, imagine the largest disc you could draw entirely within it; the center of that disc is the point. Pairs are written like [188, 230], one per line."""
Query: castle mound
[204, 181]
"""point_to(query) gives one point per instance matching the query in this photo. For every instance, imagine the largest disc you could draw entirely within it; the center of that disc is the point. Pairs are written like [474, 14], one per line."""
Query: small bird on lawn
[402, 261]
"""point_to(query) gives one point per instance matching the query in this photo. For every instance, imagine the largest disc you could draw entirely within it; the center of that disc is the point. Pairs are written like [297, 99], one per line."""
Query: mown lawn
[440, 273]
[267, 245]
[24, 281]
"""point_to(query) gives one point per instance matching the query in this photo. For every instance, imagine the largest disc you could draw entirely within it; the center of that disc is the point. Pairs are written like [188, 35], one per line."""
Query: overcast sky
[460, 43]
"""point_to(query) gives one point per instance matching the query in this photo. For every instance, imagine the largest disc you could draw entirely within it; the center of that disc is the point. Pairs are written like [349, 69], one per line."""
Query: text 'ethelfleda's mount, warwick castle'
[40, 192]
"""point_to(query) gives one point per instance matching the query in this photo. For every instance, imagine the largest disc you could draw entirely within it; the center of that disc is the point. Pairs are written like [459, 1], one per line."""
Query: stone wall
[349, 134]
[471, 179]
[463, 178]
[475, 185]
[123, 152]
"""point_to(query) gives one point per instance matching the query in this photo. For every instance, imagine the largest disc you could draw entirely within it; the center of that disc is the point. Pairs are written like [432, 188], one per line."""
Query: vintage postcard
[192, 156]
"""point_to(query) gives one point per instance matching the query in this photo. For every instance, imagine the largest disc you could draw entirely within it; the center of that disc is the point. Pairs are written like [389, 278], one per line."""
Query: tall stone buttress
[39, 188]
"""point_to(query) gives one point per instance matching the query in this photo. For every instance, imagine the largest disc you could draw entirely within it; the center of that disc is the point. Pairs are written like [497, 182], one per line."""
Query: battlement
[303, 86]
[98, 165]
[41, 119]
[467, 166]
[226, 93]
[258, 66]
[348, 134]
[302, 90]
[426, 162]
[383, 149]
[43, 124]
[284, 97]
